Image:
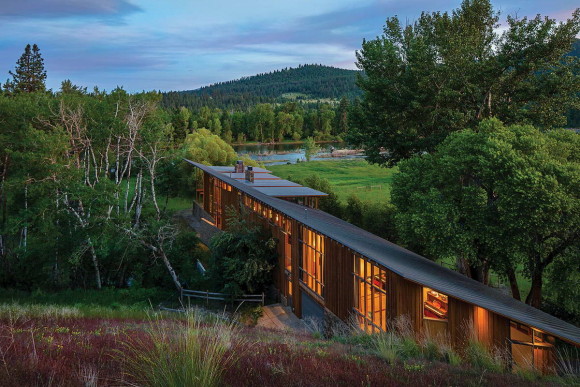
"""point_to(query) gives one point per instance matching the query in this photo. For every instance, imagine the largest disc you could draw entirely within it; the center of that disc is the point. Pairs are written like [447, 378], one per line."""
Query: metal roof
[271, 183]
[228, 168]
[257, 176]
[288, 192]
[411, 266]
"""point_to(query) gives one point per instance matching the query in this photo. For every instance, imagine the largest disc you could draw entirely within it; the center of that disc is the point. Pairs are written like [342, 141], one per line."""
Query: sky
[185, 44]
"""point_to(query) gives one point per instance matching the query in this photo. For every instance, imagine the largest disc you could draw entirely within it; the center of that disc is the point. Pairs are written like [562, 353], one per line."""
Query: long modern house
[332, 270]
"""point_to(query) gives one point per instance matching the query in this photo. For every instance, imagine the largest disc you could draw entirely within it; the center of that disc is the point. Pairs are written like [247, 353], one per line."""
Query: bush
[242, 258]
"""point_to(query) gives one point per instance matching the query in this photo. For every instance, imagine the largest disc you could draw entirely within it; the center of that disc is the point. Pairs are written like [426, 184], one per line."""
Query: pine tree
[29, 75]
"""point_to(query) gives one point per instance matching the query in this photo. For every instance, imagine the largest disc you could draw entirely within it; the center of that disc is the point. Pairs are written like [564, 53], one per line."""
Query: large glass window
[312, 261]
[435, 305]
[370, 289]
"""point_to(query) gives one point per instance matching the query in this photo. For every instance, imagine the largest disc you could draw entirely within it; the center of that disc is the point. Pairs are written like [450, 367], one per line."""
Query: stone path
[280, 317]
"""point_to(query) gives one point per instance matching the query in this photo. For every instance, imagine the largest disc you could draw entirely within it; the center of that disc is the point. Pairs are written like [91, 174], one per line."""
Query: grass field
[369, 182]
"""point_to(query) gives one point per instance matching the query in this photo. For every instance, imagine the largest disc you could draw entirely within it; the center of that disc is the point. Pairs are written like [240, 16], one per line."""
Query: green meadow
[369, 182]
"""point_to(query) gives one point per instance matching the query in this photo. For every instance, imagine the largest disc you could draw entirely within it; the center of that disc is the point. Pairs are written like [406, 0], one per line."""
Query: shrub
[243, 257]
[409, 349]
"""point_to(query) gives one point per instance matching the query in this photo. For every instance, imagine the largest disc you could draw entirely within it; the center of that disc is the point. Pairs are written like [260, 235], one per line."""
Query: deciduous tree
[448, 71]
[497, 198]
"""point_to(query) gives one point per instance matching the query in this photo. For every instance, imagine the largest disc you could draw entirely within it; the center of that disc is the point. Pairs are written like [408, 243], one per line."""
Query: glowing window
[435, 305]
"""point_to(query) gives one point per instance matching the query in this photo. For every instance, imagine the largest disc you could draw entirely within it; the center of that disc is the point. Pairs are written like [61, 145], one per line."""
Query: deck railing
[213, 296]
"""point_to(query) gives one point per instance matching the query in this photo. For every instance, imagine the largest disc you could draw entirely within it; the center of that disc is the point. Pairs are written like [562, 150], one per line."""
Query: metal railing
[213, 296]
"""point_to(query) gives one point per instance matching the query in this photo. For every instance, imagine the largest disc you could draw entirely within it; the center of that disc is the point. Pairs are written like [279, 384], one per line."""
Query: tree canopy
[497, 198]
[207, 148]
[304, 82]
[448, 71]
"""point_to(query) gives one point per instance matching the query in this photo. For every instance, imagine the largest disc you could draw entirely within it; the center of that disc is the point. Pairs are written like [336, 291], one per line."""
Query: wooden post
[263, 299]
[207, 298]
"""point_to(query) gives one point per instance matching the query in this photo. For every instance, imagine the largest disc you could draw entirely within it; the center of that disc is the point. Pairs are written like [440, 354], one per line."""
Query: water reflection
[275, 154]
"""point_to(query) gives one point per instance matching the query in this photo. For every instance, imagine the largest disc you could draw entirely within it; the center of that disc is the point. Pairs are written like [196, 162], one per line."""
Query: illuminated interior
[435, 305]
[527, 345]
[312, 260]
[370, 289]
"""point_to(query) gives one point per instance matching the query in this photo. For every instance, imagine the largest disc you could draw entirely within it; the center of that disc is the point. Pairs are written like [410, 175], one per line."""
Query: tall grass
[196, 353]
[105, 303]
[388, 346]
[16, 310]
[480, 357]
[568, 363]
[50, 311]
[401, 342]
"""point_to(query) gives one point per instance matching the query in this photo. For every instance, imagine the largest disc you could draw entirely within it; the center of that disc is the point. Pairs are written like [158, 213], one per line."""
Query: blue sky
[185, 44]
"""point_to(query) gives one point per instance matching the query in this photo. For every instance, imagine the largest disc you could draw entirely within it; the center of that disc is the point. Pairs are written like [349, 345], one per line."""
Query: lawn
[369, 182]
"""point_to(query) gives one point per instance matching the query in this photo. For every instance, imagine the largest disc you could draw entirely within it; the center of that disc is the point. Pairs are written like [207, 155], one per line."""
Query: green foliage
[561, 290]
[243, 258]
[310, 148]
[79, 190]
[29, 75]
[329, 203]
[312, 82]
[204, 147]
[448, 71]
[494, 198]
[251, 315]
[262, 118]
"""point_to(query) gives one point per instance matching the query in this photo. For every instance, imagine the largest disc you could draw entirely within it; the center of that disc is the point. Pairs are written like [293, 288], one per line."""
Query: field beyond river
[369, 182]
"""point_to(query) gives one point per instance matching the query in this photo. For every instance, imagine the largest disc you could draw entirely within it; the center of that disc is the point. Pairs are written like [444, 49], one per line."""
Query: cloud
[46, 9]
[183, 44]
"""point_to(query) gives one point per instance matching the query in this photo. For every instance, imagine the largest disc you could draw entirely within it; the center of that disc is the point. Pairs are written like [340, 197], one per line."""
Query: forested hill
[307, 82]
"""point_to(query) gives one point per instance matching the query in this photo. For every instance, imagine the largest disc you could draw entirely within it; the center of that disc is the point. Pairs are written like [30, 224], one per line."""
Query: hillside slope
[306, 82]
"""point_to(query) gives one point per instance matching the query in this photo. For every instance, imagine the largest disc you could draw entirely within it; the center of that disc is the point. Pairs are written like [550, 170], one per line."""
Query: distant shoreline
[282, 143]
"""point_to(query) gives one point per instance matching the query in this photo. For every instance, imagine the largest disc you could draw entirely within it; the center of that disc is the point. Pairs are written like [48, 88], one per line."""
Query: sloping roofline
[409, 265]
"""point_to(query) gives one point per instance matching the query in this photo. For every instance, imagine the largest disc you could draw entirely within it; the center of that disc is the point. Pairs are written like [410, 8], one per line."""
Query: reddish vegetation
[64, 352]
[78, 351]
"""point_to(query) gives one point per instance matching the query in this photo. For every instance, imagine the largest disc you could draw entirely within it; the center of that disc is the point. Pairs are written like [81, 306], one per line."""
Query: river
[275, 154]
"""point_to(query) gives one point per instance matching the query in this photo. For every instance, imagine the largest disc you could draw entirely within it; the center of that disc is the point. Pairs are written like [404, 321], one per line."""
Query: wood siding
[403, 298]
[338, 284]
